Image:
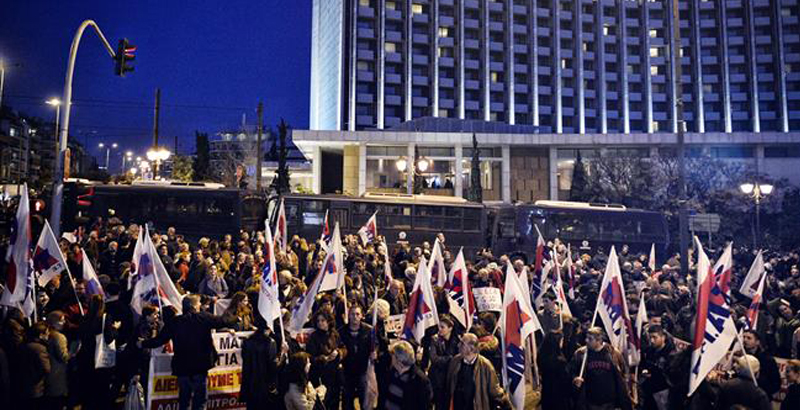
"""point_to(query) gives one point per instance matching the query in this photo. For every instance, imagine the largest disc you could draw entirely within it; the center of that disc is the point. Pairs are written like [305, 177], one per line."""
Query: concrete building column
[410, 169]
[458, 182]
[362, 169]
[350, 174]
[316, 170]
[759, 158]
[505, 174]
[552, 166]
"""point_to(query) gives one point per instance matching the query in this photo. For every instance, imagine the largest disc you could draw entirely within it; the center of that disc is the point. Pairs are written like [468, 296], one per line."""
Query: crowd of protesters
[50, 363]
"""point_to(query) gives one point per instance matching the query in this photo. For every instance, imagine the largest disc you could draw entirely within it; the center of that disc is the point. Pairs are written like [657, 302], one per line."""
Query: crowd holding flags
[421, 312]
[149, 278]
[20, 283]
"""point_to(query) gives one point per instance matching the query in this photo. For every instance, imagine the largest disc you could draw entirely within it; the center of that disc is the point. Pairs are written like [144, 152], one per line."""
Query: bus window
[472, 220]
[340, 216]
[311, 205]
[507, 228]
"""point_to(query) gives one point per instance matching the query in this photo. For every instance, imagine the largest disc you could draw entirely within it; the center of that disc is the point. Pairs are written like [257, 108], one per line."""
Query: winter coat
[191, 338]
[619, 368]
[56, 382]
[742, 391]
[35, 368]
[417, 394]
[259, 371]
[294, 399]
[488, 392]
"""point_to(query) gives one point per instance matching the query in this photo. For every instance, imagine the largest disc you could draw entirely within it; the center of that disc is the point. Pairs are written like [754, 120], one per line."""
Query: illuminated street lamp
[55, 102]
[108, 150]
[420, 166]
[126, 159]
[757, 192]
[158, 155]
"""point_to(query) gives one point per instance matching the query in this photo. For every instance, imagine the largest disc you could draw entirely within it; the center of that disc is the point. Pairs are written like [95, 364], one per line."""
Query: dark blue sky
[220, 55]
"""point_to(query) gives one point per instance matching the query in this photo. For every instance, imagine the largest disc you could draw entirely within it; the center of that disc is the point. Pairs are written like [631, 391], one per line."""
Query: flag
[714, 327]
[541, 268]
[150, 281]
[333, 279]
[750, 283]
[570, 273]
[387, 270]
[651, 261]
[90, 279]
[751, 317]
[421, 313]
[612, 308]
[325, 237]
[369, 231]
[436, 265]
[517, 322]
[281, 235]
[269, 305]
[47, 257]
[641, 317]
[561, 297]
[722, 272]
[459, 292]
[20, 282]
[302, 308]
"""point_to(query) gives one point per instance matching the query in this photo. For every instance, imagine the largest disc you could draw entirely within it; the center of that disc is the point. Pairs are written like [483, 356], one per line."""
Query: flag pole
[586, 355]
[741, 345]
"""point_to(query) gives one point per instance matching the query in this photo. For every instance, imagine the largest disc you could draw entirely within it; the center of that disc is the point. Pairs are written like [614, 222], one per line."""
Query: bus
[193, 209]
[421, 217]
[584, 226]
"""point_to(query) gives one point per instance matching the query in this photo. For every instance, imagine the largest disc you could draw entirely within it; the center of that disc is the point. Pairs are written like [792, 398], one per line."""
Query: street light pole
[58, 187]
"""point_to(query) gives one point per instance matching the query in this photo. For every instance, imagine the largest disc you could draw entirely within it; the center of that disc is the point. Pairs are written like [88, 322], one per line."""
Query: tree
[201, 163]
[577, 191]
[182, 168]
[281, 181]
[475, 193]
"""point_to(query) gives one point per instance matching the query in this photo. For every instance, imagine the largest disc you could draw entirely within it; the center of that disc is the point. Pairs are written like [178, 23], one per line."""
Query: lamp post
[126, 159]
[158, 155]
[757, 192]
[55, 102]
[419, 166]
[108, 151]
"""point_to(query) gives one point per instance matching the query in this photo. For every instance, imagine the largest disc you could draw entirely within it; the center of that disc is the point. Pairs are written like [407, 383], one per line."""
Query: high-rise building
[571, 67]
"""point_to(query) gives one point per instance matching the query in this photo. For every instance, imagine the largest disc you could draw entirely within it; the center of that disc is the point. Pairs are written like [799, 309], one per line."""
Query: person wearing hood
[740, 391]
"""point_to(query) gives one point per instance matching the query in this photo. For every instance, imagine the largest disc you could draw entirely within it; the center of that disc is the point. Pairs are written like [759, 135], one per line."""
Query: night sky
[213, 61]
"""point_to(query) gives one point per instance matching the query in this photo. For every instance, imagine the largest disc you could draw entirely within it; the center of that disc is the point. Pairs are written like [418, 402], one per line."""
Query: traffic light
[124, 57]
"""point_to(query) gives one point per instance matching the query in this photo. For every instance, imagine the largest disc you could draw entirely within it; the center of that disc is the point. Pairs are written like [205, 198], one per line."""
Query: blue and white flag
[612, 308]
[436, 265]
[47, 257]
[150, 281]
[269, 305]
[421, 313]
[517, 323]
[90, 279]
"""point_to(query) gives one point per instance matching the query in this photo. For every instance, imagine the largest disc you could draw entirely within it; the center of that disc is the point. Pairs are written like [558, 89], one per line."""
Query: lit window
[606, 29]
[654, 52]
[364, 3]
[654, 125]
[12, 132]
[563, 63]
[654, 70]
[391, 5]
[495, 76]
[630, 69]
[653, 33]
[390, 47]
[443, 32]
[416, 8]
[707, 88]
[442, 113]
[362, 65]
[585, 46]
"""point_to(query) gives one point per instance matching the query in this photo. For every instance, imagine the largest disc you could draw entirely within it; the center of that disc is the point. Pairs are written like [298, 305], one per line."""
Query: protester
[471, 379]
[556, 382]
[741, 390]
[600, 373]
[793, 392]
[56, 384]
[401, 383]
[356, 338]
[262, 362]
[301, 394]
[35, 366]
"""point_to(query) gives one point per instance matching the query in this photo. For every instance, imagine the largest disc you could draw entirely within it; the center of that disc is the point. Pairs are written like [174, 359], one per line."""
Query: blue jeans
[189, 386]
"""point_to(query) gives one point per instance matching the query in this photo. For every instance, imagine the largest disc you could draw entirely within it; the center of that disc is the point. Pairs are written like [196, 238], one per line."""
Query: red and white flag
[753, 278]
[302, 309]
[369, 232]
[651, 261]
[436, 265]
[714, 328]
[269, 305]
[459, 292]
[421, 313]
[612, 308]
[20, 283]
[517, 323]
[751, 317]
[47, 257]
[325, 237]
[561, 296]
[149, 280]
[90, 279]
[541, 268]
[571, 274]
[281, 233]
[333, 266]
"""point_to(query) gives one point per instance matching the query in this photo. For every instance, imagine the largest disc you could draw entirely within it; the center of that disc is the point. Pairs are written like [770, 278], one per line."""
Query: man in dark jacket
[655, 364]
[401, 383]
[35, 365]
[110, 260]
[602, 383]
[262, 361]
[472, 381]
[769, 378]
[443, 347]
[356, 338]
[194, 349]
[740, 391]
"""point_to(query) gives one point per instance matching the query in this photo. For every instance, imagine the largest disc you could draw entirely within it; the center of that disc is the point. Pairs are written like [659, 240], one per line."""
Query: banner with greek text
[224, 379]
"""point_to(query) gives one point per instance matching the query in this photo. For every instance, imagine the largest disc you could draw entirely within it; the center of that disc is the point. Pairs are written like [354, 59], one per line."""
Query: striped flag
[436, 265]
[20, 281]
[754, 275]
[459, 292]
[269, 305]
[517, 322]
[421, 313]
[751, 317]
[47, 257]
[369, 232]
[93, 286]
[281, 234]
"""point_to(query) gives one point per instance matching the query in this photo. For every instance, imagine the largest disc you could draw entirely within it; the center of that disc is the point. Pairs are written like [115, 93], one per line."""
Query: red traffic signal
[124, 57]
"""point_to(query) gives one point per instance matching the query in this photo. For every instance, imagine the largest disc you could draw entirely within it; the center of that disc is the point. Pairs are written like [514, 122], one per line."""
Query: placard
[488, 299]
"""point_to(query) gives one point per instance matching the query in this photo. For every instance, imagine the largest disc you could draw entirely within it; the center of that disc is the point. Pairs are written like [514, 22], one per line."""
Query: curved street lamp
[757, 192]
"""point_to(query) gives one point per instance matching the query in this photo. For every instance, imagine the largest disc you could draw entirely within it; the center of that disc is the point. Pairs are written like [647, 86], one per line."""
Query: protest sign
[224, 379]
[488, 299]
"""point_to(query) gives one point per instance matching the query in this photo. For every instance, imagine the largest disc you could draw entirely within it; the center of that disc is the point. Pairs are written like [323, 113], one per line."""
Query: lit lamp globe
[401, 164]
[747, 188]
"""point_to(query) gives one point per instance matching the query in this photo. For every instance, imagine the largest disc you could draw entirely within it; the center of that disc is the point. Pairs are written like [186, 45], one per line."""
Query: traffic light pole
[58, 186]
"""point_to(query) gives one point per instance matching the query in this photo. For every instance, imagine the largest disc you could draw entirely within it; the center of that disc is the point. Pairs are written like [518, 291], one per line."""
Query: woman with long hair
[556, 382]
[240, 308]
[326, 355]
[300, 394]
